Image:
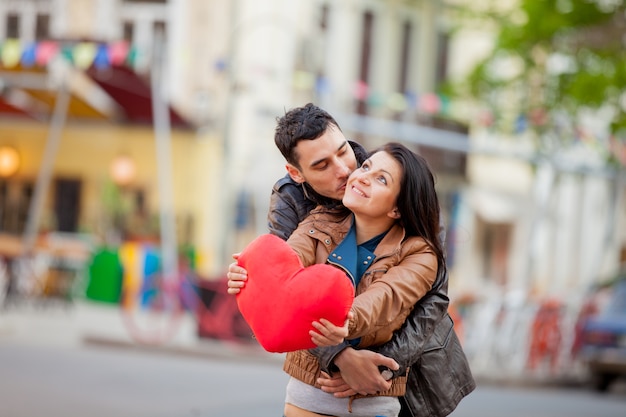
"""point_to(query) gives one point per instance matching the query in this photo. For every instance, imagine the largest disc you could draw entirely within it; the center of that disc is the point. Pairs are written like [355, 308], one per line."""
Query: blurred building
[542, 225]
[230, 69]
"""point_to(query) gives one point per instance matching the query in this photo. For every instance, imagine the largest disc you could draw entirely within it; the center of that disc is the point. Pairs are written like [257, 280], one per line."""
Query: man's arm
[288, 207]
[359, 370]
[406, 345]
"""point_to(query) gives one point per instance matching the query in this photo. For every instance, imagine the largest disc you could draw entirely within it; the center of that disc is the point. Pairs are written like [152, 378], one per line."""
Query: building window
[324, 18]
[441, 72]
[15, 199]
[160, 27]
[67, 204]
[42, 28]
[405, 56]
[128, 32]
[366, 51]
[13, 26]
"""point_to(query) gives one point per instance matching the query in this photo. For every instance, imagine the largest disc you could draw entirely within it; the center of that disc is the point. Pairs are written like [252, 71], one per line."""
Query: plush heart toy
[281, 298]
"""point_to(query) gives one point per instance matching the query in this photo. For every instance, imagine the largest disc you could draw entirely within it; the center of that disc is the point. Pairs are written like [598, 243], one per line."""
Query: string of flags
[611, 145]
[429, 103]
[13, 52]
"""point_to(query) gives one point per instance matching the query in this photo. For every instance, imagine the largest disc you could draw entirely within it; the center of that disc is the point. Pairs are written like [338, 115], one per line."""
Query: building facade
[230, 69]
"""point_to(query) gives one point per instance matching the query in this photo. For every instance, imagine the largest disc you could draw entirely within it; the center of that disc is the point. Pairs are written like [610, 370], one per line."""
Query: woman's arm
[388, 300]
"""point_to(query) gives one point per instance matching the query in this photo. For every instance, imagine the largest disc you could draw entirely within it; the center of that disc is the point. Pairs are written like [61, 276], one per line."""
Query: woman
[386, 241]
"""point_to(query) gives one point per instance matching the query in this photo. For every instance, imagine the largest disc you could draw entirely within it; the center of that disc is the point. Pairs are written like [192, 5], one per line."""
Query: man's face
[325, 163]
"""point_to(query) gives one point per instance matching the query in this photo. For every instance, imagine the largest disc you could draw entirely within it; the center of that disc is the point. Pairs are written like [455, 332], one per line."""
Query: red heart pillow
[281, 298]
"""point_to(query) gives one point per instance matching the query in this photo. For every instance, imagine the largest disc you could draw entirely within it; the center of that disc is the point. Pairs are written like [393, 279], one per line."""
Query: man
[319, 161]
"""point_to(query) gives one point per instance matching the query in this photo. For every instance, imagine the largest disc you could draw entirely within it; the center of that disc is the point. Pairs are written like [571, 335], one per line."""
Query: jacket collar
[391, 242]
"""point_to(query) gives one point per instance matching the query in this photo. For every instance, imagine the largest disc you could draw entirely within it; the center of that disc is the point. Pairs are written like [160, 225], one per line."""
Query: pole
[227, 199]
[161, 120]
[57, 122]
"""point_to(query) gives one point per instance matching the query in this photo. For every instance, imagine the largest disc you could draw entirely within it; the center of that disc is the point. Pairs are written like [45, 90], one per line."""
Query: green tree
[554, 61]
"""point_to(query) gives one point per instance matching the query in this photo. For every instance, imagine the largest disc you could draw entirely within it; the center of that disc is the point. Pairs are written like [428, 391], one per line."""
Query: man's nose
[343, 169]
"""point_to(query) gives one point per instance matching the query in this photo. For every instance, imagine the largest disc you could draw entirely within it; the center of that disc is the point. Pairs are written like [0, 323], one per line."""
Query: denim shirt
[354, 259]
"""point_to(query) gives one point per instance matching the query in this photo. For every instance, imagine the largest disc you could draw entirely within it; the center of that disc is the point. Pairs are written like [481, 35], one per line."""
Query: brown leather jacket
[440, 375]
[402, 272]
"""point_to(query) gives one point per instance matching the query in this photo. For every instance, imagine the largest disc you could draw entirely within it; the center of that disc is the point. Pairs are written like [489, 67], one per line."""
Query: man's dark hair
[300, 123]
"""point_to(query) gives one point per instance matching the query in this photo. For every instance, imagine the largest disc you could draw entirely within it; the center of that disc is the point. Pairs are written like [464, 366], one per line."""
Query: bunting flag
[81, 54]
[617, 148]
[103, 55]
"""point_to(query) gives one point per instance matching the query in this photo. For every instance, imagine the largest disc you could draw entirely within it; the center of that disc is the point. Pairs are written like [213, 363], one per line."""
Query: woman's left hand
[328, 334]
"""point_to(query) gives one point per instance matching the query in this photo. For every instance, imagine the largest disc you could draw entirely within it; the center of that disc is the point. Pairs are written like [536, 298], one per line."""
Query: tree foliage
[553, 61]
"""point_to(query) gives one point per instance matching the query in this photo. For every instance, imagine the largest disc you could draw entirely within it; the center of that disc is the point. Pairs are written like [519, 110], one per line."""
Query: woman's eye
[382, 180]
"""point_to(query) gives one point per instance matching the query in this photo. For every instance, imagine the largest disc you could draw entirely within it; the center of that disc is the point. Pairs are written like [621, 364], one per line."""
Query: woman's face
[372, 190]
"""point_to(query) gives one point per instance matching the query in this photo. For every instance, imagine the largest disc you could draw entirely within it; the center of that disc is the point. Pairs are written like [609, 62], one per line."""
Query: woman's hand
[237, 276]
[328, 334]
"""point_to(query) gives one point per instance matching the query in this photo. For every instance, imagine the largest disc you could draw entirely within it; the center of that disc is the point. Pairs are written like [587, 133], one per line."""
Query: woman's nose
[362, 177]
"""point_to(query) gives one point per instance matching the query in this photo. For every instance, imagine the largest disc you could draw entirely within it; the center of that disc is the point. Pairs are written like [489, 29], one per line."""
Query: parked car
[602, 335]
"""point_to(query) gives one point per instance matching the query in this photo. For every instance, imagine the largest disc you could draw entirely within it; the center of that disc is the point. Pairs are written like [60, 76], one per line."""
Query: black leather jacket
[440, 375]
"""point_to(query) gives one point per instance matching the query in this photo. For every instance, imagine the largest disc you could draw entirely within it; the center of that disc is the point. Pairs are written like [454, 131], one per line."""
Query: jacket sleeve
[288, 207]
[393, 294]
[326, 356]
[407, 344]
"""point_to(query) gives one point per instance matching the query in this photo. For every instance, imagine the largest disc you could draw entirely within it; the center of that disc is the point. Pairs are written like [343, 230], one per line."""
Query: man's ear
[395, 213]
[295, 174]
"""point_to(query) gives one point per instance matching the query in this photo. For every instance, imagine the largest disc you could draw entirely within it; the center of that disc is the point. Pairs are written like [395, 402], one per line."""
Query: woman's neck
[368, 228]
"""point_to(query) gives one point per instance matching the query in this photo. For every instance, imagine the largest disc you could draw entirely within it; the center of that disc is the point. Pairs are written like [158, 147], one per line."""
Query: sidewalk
[86, 323]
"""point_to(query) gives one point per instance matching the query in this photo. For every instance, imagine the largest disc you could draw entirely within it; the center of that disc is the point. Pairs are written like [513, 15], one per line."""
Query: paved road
[105, 382]
[81, 362]
[112, 381]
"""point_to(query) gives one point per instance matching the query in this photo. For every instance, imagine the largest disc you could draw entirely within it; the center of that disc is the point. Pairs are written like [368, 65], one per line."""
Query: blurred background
[137, 153]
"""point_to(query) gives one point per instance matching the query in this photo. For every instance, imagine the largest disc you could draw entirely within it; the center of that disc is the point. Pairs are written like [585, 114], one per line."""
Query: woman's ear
[395, 213]
[295, 174]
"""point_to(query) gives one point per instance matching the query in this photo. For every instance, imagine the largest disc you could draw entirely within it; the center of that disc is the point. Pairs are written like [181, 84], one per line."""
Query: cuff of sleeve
[327, 355]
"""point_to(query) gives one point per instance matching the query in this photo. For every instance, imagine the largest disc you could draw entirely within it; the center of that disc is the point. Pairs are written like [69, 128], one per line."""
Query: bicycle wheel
[152, 314]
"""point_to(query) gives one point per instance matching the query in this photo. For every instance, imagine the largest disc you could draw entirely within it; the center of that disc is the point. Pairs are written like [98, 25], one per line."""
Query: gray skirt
[314, 399]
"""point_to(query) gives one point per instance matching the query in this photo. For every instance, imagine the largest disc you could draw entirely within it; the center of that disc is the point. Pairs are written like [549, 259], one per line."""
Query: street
[98, 381]
[105, 382]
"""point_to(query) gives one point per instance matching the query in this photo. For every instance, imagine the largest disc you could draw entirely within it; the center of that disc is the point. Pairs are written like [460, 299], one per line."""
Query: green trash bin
[105, 277]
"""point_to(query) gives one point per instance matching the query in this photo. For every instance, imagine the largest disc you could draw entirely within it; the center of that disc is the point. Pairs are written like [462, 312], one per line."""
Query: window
[13, 26]
[160, 27]
[67, 203]
[366, 51]
[324, 18]
[405, 56]
[128, 32]
[15, 199]
[42, 28]
[441, 71]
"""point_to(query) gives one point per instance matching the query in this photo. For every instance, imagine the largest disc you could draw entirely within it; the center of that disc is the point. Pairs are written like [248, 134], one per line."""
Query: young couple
[381, 209]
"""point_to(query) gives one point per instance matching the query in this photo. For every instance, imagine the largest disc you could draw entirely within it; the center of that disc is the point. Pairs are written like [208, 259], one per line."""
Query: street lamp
[122, 170]
[9, 161]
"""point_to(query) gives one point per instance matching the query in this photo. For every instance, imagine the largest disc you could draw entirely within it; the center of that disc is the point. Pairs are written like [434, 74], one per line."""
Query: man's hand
[237, 276]
[359, 373]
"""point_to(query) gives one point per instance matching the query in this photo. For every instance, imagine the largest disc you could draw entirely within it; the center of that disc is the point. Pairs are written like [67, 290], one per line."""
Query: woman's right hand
[237, 276]
[328, 334]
